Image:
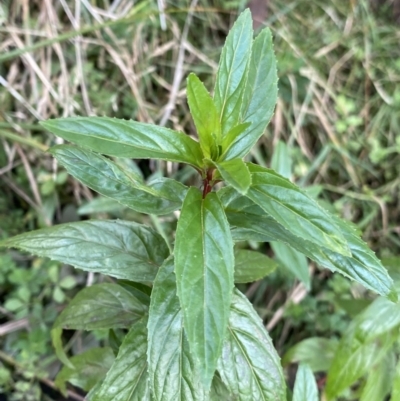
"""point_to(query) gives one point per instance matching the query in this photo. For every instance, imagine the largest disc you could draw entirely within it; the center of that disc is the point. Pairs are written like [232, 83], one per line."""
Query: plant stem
[208, 182]
[24, 141]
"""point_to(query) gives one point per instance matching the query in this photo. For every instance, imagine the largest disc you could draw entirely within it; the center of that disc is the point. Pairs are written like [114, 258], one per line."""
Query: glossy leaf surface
[232, 72]
[107, 178]
[252, 266]
[235, 173]
[127, 138]
[172, 371]
[249, 365]
[90, 367]
[205, 116]
[305, 387]
[117, 248]
[363, 266]
[127, 379]
[101, 306]
[294, 210]
[204, 266]
[259, 96]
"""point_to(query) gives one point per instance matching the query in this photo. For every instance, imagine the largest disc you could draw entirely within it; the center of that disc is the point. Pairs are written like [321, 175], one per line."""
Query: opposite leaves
[247, 352]
[204, 266]
[259, 96]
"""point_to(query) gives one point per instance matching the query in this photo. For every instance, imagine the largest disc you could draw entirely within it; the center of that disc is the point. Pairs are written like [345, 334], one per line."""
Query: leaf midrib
[25, 247]
[254, 187]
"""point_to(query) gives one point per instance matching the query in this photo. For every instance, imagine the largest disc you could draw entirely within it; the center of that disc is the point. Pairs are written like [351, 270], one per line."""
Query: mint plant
[191, 334]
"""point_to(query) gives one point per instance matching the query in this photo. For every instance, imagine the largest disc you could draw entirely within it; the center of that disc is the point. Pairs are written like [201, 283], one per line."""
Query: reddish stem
[208, 184]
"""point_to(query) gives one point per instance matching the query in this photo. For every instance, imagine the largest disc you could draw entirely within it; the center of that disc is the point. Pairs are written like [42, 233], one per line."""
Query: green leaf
[101, 306]
[127, 138]
[363, 266]
[172, 371]
[100, 205]
[379, 381]
[204, 266]
[56, 339]
[351, 306]
[120, 249]
[219, 392]
[355, 357]
[305, 387]
[249, 365]
[127, 379]
[294, 261]
[140, 291]
[244, 234]
[251, 266]
[89, 396]
[205, 116]
[294, 210]
[107, 178]
[232, 134]
[378, 318]
[90, 367]
[281, 161]
[259, 96]
[316, 352]
[235, 173]
[396, 384]
[232, 72]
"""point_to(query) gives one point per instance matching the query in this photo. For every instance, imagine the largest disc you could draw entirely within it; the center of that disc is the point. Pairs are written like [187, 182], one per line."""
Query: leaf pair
[155, 362]
[246, 87]
[170, 357]
[245, 94]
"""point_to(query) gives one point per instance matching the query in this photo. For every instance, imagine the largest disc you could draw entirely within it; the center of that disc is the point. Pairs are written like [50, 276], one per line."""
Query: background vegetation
[336, 132]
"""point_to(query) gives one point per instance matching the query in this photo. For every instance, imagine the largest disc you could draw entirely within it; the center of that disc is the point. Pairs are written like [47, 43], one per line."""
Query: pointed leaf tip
[232, 72]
